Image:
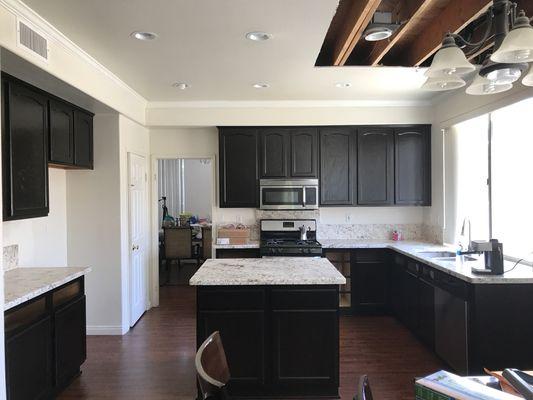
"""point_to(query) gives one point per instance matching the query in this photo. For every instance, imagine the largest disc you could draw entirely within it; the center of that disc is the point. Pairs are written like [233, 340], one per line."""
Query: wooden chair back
[207, 243]
[212, 368]
[363, 389]
[178, 242]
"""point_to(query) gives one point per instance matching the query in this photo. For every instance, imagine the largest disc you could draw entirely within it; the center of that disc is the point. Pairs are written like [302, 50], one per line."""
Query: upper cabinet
[83, 139]
[25, 151]
[288, 153]
[238, 149]
[413, 165]
[337, 163]
[375, 166]
[61, 133]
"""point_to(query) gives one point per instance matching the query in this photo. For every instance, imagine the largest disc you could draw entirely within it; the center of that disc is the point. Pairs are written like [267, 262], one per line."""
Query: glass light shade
[504, 75]
[517, 47]
[443, 83]
[483, 86]
[449, 61]
[528, 79]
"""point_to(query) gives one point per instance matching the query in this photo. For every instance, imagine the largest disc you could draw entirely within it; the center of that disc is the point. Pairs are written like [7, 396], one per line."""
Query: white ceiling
[202, 43]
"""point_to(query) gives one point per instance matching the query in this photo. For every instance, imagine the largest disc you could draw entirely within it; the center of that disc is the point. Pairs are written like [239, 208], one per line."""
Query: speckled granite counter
[23, 284]
[458, 268]
[267, 271]
[252, 244]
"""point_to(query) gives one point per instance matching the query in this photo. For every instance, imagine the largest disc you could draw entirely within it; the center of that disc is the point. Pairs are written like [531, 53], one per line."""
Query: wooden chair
[212, 369]
[363, 389]
[178, 246]
[207, 242]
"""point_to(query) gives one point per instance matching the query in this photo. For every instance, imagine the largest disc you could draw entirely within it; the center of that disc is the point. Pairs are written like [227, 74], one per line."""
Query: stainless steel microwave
[293, 194]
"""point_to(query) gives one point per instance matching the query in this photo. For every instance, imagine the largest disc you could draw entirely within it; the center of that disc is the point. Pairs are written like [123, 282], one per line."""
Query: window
[507, 214]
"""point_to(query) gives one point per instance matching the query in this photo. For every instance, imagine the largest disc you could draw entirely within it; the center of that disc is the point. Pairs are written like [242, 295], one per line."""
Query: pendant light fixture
[513, 50]
[442, 83]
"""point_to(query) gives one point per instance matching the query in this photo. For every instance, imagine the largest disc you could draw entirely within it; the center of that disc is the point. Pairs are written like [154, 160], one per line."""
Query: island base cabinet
[280, 341]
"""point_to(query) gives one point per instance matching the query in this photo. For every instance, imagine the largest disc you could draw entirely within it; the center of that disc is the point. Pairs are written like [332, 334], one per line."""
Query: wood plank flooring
[155, 360]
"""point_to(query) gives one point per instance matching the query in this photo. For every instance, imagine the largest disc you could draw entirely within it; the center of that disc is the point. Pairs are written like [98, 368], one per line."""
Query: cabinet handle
[409, 133]
[374, 133]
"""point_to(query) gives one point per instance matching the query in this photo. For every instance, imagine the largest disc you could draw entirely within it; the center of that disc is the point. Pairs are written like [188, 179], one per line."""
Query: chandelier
[512, 34]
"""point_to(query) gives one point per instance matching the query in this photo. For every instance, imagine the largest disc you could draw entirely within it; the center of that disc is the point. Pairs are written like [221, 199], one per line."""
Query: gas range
[283, 238]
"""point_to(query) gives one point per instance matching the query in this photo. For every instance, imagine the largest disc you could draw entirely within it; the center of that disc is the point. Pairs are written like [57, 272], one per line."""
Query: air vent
[33, 41]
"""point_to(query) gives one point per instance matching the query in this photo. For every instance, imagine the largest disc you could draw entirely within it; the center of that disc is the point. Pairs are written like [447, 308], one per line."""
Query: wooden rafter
[454, 18]
[410, 12]
[358, 17]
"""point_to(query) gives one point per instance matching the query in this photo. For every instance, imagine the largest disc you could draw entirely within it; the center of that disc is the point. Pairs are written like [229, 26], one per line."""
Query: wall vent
[33, 41]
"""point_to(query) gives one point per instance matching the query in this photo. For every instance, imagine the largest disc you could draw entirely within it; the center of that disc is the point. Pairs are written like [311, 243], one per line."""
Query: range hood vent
[33, 41]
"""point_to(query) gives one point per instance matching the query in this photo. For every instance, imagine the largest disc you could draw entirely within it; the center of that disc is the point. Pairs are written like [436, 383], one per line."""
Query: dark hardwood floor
[155, 360]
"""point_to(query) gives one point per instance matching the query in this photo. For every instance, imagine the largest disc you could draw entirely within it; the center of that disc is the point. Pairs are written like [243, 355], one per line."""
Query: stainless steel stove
[289, 238]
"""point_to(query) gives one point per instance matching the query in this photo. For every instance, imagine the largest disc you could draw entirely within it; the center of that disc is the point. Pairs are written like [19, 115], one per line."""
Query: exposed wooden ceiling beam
[358, 17]
[411, 13]
[454, 18]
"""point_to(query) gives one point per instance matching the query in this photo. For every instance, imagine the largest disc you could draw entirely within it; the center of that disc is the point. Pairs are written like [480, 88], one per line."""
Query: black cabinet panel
[304, 153]
[370, 287]
[29, 362]
[274, 152]
[426, 329]
[238, 167]
[83, 139]
[375, 166]
[412, 165]
[25, 152]
[337, 153]
[69, 341]
[61, 141]
[237, 253]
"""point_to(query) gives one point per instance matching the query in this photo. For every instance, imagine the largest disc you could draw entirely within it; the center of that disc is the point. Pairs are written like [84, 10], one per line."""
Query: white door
[138, 260]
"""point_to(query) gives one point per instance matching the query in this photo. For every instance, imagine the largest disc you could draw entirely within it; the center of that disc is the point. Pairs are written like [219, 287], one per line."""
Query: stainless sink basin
[465, 258]
[437, 254]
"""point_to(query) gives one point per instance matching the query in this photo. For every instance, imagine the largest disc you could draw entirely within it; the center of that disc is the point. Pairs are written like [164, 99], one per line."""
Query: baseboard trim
[104, 330]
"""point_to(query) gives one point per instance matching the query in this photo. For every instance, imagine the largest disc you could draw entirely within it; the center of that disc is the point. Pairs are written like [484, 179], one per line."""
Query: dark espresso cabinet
[275, 144]
[412, 165]
[61, 133]
[375, 166]
[337, 165]
[303, 160]
[45, 342]
[83, 140]
[370, 284]
[25, 151]
[238, 151]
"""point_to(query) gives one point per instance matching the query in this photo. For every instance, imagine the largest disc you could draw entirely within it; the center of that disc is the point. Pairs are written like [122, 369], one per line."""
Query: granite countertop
[458, 268]
[252, 244]
[267, 271]
[22, 284]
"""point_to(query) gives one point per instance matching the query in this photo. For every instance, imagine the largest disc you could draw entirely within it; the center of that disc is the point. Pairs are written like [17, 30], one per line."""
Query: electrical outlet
[348, 218]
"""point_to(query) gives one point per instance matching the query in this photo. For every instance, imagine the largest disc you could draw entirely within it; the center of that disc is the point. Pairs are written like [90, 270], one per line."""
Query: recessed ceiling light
[144, 35]
[181, 85]
[261, 85]
[378, 33]
[343, 84]
[258, 36]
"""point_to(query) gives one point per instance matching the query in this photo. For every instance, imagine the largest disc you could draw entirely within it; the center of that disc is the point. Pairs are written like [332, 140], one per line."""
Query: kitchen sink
[437, 254]
[465, 258]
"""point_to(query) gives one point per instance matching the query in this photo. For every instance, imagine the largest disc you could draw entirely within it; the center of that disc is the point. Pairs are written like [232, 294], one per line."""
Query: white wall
[43, 241]
[2, 352]
[94, 228]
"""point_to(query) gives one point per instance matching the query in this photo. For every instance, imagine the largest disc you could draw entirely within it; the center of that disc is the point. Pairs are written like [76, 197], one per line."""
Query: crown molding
[22, 11]
[288, 104]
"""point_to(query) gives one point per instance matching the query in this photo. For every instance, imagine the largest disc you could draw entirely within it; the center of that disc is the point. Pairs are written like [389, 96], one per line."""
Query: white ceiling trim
[22, 11]
[288, 104]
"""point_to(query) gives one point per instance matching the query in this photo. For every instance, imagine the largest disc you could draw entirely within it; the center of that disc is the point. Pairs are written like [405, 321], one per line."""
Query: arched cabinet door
[274, 152]
[304, 153]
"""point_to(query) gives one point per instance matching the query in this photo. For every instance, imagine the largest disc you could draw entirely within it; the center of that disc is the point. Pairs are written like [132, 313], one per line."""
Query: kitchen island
[279, 322]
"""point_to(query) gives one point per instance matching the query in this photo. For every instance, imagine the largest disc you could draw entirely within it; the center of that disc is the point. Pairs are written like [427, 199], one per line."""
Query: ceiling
[202, 43]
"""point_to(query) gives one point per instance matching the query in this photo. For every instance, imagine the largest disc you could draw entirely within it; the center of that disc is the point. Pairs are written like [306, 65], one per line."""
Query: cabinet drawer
[25, 315]
[231, 299]
[370, 255]
[67, 293]
[305, 298]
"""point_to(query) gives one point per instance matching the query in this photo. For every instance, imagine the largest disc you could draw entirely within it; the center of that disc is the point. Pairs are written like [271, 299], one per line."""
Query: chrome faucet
[465, 221]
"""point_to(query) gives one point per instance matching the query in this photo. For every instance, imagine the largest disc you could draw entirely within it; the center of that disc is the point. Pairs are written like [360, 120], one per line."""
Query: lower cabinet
[370, 285]
[45, 343]
[237, 253]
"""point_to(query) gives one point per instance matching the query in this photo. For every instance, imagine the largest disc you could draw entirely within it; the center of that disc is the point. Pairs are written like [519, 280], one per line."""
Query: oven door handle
[303, 197]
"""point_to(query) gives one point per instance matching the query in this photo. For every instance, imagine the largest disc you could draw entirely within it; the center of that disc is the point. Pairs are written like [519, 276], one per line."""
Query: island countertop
[22, 284]
[267, 271]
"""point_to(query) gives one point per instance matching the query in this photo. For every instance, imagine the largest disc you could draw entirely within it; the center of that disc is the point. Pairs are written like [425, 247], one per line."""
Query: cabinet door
[274, 152]
[412, 165]
[370, 287]
[242, 333]
[83, 140]
[29, 362]
[411, 294]
[375, 166]
[337, 153]
[305, 351]
[25, 152]
[238, 167]
[61, 141]
[69, 341]
[304, 153]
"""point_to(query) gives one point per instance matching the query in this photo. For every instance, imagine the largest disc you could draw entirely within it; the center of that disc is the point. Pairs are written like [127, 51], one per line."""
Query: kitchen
[368, 153]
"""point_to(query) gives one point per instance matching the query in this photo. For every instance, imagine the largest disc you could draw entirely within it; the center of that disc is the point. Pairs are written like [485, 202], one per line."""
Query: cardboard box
[235, 236]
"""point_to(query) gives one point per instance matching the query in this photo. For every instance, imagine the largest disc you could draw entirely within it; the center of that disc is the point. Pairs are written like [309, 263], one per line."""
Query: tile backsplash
[10, 257]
